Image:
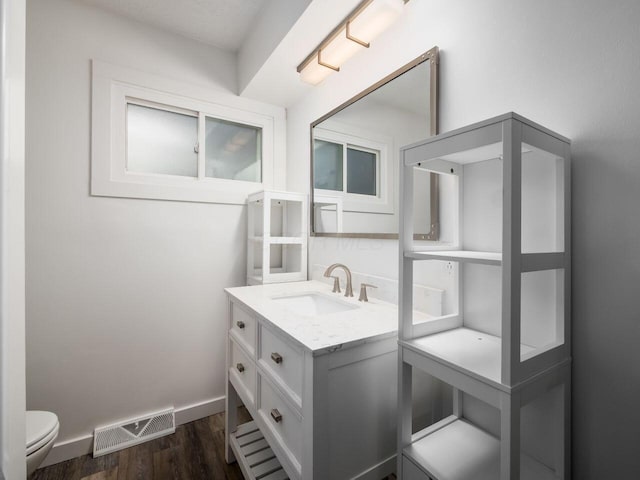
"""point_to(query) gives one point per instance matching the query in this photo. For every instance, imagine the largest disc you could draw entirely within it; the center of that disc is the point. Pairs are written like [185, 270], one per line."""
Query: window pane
[327, 165]
[361, 172]
[233, 151]
[163, 142]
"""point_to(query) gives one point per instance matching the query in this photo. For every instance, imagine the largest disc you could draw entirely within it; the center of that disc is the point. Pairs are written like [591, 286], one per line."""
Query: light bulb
[375, 19]
[314, 73]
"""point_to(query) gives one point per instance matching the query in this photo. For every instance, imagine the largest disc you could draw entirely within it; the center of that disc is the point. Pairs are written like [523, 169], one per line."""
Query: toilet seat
[42, 428]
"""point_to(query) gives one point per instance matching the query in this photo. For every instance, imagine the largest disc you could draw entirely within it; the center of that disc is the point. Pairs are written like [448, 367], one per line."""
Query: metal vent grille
[132, 432]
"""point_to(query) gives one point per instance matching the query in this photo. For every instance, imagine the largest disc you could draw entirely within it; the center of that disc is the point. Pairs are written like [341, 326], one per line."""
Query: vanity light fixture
[362, 25]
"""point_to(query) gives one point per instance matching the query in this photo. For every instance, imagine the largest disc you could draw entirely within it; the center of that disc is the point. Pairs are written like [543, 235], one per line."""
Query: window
[157, 138]
[163, 140]
[160, 141]
[327, 165]
[362, 168]
[358, 174]
[354, 165]
[232, 150]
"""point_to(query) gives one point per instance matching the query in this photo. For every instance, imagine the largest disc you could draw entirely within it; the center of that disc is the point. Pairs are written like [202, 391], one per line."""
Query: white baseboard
[380, 470]
[76, 447]
[199, 410]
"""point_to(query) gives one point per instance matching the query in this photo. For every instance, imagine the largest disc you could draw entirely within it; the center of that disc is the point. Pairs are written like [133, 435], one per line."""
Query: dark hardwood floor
[194, 452]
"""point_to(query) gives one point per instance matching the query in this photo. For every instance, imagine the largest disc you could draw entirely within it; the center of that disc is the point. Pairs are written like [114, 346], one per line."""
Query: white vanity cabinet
[503, 340]
[321, 393]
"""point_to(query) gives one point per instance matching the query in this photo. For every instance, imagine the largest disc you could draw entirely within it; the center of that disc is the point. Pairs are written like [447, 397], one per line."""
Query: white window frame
[383, 202]
[113, 87]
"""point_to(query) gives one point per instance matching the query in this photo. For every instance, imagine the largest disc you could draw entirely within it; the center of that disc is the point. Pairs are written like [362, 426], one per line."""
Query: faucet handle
[336, 284]
[363, 291]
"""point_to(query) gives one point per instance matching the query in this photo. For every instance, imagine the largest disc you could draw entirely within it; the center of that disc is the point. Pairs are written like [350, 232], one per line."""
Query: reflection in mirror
[355, 155]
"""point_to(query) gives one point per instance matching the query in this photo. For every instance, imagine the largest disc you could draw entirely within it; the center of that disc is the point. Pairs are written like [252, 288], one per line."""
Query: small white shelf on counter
[277, 237]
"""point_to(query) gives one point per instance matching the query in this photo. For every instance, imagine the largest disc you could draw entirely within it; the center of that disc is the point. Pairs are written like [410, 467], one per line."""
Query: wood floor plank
[165, 464]
[111, 474]
[68, 470]
[136, 463]
[190, 456]
[231, 472]
[91, 466]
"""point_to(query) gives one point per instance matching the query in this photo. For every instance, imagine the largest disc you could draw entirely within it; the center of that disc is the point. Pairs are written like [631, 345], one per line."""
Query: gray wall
[571, 65]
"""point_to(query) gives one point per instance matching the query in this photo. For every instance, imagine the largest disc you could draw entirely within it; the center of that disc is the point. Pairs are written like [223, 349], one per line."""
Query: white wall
[125, 305]
[12, 250]
[572, 66]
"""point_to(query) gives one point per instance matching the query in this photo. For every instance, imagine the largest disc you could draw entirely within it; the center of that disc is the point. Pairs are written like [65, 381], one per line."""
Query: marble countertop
[370, 321]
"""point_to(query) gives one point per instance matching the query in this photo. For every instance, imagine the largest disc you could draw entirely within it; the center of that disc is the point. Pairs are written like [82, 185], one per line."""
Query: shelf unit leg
[565, 445]
[510, 436]
[457, 402]
[405, 409]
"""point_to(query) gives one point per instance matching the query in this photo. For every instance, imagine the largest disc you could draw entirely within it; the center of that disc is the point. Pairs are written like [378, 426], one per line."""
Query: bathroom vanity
[317, 372]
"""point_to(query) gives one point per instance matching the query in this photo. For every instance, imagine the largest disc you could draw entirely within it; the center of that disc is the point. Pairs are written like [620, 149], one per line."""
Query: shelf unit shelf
[439, 452]
[502, 341]
[278, 240]
[465, 350]
[466, 256]
[276, 237]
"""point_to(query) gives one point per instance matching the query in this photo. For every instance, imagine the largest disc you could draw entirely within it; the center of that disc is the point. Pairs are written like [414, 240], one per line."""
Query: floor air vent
[132, 432]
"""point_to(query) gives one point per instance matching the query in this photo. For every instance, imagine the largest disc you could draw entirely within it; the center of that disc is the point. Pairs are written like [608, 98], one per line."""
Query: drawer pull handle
[240, 367]
[276, 415]
[240, 324]
[276, 357]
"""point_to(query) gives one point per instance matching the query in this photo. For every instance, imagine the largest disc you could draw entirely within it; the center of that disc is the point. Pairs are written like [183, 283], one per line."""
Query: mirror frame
[432, 56]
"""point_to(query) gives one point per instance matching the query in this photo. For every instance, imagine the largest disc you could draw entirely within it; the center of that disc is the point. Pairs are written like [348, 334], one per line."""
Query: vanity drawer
[244, 327]
[283, 421]
[242, 373]
[283, 362]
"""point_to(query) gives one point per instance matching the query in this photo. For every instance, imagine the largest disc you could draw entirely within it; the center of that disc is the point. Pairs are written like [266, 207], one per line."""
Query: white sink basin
[313, 304]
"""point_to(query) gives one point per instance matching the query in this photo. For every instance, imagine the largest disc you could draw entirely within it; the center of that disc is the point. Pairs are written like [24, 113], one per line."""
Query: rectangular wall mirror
[355, 155]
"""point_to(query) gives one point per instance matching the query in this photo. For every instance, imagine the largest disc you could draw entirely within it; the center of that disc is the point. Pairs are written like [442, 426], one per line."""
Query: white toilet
[42, 431]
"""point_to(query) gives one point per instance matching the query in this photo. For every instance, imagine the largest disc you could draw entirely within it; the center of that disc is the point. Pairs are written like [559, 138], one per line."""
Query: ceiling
[220, 23]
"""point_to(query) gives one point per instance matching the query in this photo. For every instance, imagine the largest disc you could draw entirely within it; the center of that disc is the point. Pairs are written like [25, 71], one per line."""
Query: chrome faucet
[348, 290]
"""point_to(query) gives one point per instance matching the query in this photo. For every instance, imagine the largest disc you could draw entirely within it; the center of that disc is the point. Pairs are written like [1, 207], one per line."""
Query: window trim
[355, 202]
[113, 86]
